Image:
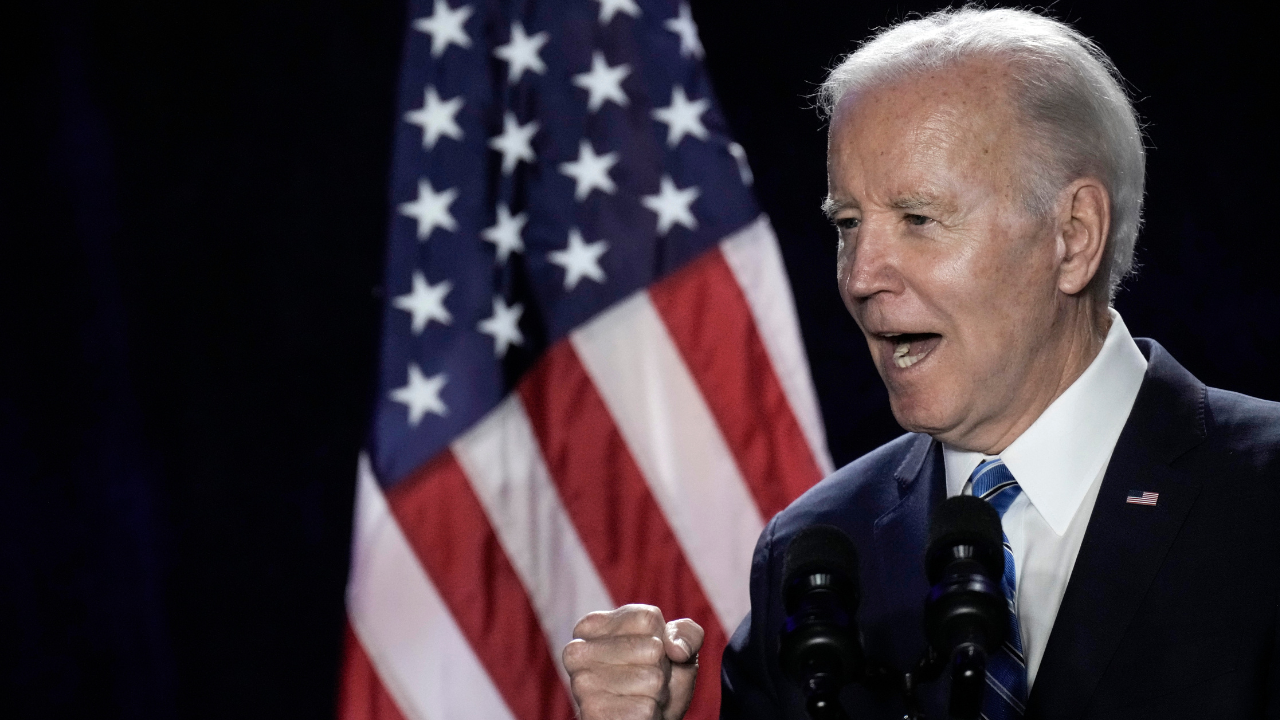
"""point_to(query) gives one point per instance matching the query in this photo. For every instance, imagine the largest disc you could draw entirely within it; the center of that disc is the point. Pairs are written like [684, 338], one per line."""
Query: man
[985, 174]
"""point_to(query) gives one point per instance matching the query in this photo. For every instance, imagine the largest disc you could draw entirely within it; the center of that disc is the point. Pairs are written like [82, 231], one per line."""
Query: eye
[848, 223]
[913, 219]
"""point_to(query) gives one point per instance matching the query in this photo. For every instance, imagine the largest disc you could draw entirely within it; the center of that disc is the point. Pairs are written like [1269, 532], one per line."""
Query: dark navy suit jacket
[1170, 612]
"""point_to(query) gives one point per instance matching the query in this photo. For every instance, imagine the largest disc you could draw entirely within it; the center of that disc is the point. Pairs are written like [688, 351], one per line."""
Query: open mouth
[911, 348]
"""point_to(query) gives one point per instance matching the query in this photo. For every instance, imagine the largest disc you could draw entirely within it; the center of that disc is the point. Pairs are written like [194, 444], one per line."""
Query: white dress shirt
[1059, 462]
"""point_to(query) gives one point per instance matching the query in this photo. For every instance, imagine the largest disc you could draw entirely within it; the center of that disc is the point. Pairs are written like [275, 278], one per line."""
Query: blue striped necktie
[1006, 695]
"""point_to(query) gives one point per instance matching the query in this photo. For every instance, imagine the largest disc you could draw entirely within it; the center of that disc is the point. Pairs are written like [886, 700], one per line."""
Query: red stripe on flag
[710, 322]
[449, 532]
[361, 695]
[620, 523]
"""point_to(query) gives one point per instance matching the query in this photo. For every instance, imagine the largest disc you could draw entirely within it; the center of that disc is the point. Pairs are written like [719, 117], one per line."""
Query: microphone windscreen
[821, 548]
[966, 520]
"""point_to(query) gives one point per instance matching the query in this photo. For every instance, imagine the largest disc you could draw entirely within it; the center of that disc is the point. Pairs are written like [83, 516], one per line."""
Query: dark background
[193, 205]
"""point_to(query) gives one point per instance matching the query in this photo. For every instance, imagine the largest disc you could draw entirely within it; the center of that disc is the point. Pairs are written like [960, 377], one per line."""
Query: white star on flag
[672, 205]
[590, 171]
[437, 118]
[421, 395]
[425, 302]
[505, 233]
[579, 259]
[503, 326]
[609, 8]
[683, 26]
[431, 209]
[521, 53]
[515, 142]
[603, 83]
[445, 26]
[682, 117]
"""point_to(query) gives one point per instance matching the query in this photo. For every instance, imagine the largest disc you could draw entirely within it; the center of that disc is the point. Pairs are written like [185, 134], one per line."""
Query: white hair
[1065, 88]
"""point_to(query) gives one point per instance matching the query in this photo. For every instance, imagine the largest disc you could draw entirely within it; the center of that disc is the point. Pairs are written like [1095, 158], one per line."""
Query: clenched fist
[630, 664]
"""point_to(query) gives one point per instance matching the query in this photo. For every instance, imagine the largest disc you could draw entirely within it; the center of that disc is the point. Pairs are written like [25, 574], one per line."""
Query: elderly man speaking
[985, 175]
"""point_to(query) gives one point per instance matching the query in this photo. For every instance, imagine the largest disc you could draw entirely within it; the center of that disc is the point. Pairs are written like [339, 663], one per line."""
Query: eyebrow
[912, 202]
[831, 206]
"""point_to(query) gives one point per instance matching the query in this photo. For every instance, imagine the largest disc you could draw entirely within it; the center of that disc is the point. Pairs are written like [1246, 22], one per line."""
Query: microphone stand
[822, 698]
[968, 677]
[882, 679]
[928, 669]
[909, 698]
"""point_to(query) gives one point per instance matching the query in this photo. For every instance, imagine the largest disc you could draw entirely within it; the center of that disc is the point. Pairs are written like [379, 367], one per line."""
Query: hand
[629, 664]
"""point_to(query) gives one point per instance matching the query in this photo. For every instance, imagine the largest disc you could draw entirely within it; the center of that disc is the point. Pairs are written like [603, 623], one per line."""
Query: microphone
[821, 648]
[966, 614]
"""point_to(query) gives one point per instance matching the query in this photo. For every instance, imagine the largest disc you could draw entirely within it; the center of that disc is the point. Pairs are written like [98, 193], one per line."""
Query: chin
[910, 418]
[918, 412]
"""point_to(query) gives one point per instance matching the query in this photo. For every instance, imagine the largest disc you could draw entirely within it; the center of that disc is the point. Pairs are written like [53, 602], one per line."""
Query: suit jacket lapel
[900, 537]
[1124, 543]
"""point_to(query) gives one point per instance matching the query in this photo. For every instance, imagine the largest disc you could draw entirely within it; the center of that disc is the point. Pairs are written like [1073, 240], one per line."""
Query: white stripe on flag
[678, 447]
[754, 258]
[501, 459]
[421, 656]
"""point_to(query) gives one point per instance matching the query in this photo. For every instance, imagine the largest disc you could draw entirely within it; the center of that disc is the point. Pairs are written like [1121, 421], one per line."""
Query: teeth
[902, 356]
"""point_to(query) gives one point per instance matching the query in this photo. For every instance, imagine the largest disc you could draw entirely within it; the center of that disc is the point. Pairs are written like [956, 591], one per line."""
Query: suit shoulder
[866, 484]
[1244, 426]
[1235, 412]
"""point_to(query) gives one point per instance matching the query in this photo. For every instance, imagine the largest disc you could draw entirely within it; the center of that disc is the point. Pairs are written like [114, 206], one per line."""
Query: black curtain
[193, 203]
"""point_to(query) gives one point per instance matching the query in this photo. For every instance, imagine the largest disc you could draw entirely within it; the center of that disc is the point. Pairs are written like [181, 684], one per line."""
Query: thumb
[682, 641]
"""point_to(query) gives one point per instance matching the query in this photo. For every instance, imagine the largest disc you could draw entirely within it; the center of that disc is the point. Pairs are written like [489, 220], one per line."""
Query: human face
[952, 282]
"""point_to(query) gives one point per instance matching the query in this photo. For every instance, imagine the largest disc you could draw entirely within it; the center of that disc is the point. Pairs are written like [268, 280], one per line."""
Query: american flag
[1139, 497]
[592, 386]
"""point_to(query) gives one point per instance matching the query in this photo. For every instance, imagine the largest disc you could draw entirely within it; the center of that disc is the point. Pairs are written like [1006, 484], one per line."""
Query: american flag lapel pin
[1140, 497]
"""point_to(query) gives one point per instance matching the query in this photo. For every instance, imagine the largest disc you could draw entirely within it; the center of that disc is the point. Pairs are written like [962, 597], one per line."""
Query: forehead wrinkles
[951, 128]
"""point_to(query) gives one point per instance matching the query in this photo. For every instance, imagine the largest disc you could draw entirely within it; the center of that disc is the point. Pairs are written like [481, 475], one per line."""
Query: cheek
[952, 281]
[958, 274]
[844, 264]
[1027, 287]
[997, 301]
[983, 277]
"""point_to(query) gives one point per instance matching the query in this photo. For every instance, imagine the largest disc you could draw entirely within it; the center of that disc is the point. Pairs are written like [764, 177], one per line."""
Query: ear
[1083, 224]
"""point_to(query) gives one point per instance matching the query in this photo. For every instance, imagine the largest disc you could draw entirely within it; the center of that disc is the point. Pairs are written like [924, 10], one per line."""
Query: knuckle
[584, 686]
[690, 629]
[644, 708]
[591, 623]
[640, 609]
[650, 681]
[649, 649]
[574, 654]
[641, 619]
[594, 708]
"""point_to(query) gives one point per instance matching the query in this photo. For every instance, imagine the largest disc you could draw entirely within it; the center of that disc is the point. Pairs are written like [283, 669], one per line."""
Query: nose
[868, 263]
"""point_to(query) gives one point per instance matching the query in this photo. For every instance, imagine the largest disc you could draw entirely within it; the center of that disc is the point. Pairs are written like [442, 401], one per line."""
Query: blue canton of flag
[546, 167]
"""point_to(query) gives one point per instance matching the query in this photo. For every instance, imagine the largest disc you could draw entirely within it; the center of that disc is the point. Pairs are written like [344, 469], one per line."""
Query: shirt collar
[1056, 459]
